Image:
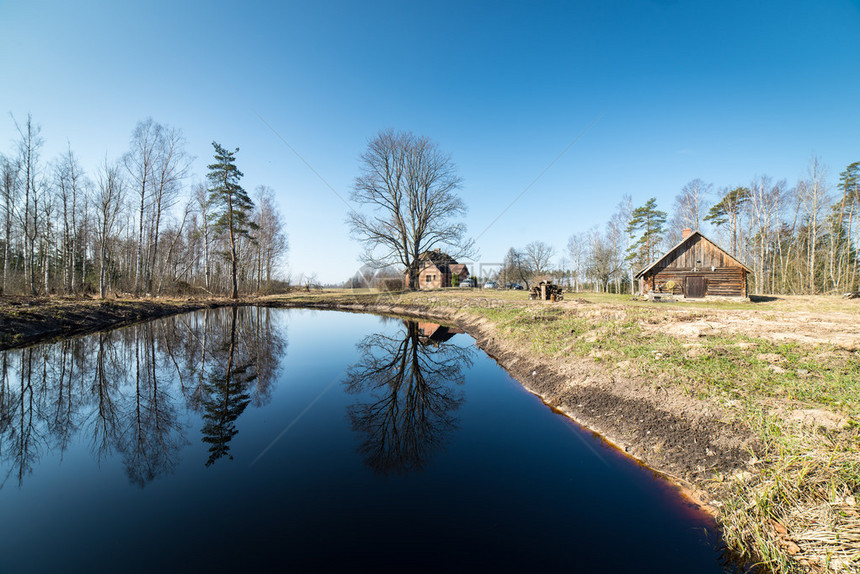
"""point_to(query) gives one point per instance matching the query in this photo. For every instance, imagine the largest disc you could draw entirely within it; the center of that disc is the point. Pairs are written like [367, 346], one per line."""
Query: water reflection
[413, 379]
[128, 391]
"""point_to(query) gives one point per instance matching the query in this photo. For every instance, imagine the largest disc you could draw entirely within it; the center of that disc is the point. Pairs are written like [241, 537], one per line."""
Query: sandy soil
[839, 328]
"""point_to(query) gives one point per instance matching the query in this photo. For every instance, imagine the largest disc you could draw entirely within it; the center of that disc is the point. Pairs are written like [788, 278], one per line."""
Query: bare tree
[28, 150]
[171, 167]
[765, 200]
[577, 248]
[70, 181]
[690, 209]
[517, 267]
[108, 202]
[538, 255]
[140, 162]
[9, 170]
[623, 216]
[410, 187]
[604, 260]
[271, 241]
[812, 194]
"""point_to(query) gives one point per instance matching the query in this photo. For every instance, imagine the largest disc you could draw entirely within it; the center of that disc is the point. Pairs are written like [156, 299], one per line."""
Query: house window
[428, 278]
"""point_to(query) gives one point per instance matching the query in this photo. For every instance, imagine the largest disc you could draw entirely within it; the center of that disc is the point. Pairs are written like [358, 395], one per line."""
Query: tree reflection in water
[124, 391]
[413, 379]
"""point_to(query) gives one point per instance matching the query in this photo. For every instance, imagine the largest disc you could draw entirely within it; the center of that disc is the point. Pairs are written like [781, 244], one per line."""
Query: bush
[390, 284]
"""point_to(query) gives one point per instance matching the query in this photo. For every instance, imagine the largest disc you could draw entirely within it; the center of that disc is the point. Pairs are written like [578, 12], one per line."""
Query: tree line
[137, 224]
[797, 239]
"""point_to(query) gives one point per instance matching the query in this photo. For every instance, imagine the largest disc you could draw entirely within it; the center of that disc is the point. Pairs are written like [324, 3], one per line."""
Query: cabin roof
[680, 243]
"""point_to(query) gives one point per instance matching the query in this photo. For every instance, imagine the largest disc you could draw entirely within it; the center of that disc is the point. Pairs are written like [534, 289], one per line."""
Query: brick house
[437, 269]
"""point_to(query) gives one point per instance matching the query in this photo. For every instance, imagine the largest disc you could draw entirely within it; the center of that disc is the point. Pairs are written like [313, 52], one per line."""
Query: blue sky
[681, 89]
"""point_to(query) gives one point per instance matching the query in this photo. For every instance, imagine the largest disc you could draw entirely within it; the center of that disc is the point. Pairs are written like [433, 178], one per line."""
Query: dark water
[207, 442]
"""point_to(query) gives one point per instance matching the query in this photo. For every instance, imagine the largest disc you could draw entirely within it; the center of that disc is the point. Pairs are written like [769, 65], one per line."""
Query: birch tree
[812, 195]
[108, 202]
[9, 170]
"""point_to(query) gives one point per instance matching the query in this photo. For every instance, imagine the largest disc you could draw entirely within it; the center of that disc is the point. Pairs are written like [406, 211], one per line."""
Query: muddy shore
[25, 321]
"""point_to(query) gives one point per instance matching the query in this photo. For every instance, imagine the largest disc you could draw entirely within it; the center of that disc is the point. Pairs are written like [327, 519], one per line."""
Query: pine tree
[728, 210]
[646, 233]
[231, 203]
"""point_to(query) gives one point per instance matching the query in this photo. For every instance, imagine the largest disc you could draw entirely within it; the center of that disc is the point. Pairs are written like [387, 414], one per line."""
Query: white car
[467, 283]
[491, 285]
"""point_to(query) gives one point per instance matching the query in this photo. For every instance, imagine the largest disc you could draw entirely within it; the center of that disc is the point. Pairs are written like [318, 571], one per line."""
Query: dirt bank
[28, 320]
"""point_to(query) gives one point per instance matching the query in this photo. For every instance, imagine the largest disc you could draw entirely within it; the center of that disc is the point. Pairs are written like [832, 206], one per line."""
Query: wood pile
[546, 291]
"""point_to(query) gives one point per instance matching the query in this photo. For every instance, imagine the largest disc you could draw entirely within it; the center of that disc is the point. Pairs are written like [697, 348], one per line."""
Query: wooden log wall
[722, 282]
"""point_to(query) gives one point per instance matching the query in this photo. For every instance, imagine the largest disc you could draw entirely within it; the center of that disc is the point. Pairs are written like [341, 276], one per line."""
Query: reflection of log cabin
[437, 269]
[435, 333]
[694, 269]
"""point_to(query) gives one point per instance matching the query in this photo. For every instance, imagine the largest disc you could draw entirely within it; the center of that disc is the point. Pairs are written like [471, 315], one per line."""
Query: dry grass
[795, 509]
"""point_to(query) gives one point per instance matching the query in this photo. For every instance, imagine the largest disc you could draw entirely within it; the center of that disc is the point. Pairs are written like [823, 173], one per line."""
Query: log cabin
[695, 268]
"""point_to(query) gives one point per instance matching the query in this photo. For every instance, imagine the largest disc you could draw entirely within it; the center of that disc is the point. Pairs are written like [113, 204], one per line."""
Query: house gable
[694, 252]
[696, 267]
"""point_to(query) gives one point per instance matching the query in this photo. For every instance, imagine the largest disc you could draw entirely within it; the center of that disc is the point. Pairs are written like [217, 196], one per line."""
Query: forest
[138, 224]
[798, 239]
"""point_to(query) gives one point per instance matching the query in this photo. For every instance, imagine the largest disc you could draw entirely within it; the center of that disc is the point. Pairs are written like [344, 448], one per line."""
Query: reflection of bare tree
[62, 422]
[125, 389]
[412, 382]
[108, 372]
[152, 436]
[22, 435]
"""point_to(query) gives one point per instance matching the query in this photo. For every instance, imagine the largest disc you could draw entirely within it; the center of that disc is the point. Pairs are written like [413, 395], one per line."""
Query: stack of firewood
[546, 291]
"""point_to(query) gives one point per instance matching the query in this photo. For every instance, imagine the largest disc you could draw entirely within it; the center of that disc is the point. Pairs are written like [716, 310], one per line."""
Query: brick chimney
[685, 233]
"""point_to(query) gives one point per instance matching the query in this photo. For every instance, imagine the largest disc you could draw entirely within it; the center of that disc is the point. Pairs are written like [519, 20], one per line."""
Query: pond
[252, 438]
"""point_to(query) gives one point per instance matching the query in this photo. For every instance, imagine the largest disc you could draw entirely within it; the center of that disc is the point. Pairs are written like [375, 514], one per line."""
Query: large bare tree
[410, 187]
[539, 255]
